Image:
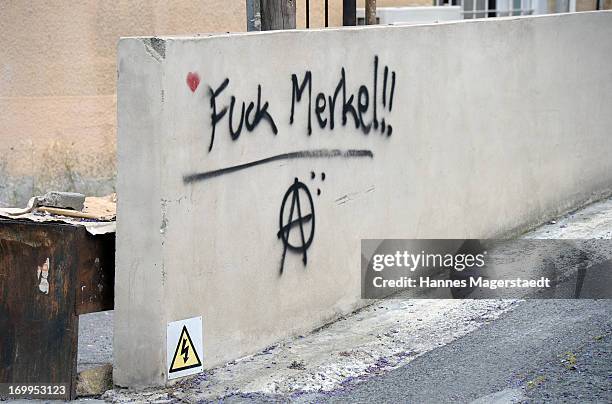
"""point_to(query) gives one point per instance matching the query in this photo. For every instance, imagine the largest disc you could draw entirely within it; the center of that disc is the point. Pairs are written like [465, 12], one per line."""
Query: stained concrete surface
[541, 351]
[529, 341]
[593, 221]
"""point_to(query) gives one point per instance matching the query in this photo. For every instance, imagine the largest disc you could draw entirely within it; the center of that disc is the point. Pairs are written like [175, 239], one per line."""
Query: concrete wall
[503, 125]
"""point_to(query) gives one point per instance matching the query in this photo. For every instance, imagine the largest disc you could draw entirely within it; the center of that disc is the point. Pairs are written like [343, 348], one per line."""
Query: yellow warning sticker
[185, 355]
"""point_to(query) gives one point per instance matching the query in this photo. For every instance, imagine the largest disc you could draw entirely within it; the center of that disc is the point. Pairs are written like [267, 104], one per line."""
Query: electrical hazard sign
[184, 347]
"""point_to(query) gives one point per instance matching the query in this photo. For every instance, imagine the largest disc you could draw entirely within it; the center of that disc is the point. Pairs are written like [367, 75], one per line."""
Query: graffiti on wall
[302, 208]
[366, 109]
[355, 106]
[255, 114]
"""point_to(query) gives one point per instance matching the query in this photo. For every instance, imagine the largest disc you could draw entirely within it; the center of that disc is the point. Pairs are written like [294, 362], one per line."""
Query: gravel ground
[582, 375]
[95, 339]
[542, 351]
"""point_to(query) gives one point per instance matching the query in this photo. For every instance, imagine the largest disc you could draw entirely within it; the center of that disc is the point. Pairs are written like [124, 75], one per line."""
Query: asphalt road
[543, 351]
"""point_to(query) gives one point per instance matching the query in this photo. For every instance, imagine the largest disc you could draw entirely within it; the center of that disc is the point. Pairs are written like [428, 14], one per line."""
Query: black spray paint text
[362, 108]
[260, 113]
[355, 106]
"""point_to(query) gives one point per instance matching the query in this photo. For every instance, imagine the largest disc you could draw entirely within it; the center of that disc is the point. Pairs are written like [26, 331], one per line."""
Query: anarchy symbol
[285, 227]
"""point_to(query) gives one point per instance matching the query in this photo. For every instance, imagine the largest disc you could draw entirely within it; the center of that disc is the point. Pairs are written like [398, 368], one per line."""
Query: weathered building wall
[503, 125]
[590, 5]
[58, 81]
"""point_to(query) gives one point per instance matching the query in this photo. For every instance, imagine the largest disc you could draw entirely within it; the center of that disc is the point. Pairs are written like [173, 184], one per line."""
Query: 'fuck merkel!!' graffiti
[365, 108]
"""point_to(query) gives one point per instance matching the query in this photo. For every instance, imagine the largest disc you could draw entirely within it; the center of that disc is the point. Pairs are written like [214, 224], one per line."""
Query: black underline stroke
[303, 154]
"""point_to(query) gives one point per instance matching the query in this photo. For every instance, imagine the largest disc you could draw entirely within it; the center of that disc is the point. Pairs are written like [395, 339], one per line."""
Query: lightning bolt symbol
[185, 350]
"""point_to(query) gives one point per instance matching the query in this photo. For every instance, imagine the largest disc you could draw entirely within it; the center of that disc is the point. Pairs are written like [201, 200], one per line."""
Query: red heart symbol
[193, 80]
